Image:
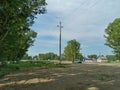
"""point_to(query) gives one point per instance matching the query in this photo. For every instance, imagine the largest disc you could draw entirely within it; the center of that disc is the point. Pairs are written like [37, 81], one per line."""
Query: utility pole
[60, 27]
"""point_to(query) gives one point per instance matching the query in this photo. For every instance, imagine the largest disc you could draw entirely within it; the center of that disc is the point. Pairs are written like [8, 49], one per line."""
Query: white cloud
[50, 43]
[84, 20]
[80, 18]
[52, 33]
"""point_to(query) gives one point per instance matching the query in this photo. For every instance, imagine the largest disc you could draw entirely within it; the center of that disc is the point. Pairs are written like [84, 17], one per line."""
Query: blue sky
[83, 20]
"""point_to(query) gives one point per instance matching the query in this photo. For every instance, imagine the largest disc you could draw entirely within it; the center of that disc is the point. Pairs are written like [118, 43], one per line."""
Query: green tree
[48, 56]
[80, 56]
[111, 58]
[35, 57]
[113, 37]
[27, 57]
[92, 56]
[16, 17]
[72, 50]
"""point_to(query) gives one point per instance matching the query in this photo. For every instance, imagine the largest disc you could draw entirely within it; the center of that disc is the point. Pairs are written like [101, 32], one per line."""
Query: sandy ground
[73, 77]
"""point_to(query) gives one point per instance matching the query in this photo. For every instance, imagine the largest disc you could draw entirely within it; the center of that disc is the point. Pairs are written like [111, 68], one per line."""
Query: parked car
[77, 61]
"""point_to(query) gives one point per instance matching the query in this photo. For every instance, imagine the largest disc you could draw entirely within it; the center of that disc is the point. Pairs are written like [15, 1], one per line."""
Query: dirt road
[73, 77]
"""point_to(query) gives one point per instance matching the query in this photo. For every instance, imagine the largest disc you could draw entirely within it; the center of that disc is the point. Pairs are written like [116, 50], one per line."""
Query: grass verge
[23, 65]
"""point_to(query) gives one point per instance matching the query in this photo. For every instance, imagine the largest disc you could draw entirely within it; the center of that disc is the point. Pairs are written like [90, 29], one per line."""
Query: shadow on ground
[74, 77]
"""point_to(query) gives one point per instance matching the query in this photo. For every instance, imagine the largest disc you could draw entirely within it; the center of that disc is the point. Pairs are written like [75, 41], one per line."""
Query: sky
[83, 20]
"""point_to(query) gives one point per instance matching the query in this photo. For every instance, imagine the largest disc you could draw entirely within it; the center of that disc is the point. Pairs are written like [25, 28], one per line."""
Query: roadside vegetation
[12, 67]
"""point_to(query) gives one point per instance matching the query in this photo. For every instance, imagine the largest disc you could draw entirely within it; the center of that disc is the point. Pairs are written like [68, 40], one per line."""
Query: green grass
[22, 65]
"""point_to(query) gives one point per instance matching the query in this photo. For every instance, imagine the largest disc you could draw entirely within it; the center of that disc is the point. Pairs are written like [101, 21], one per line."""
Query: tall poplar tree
[113, 37]
[72, 50]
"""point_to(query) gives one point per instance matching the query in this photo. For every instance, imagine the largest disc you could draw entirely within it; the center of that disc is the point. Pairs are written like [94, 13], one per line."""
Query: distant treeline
[42, 56]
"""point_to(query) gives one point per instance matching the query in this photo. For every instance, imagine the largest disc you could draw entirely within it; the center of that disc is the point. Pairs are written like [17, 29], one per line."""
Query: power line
[83, 3]
[94, 4]
[76, 9]
[60, 25]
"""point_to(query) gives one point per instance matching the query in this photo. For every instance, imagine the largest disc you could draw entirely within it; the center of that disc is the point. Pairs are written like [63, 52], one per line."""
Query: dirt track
[73, 77]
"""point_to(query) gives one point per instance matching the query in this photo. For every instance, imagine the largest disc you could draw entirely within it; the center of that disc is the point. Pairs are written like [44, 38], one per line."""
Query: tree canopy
[111, 58]
[16, 17]
[48, 56]
[113, 37]
[92, 56]
[72, 50]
